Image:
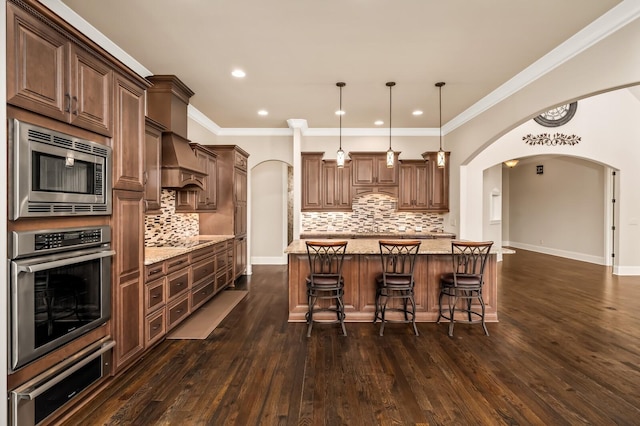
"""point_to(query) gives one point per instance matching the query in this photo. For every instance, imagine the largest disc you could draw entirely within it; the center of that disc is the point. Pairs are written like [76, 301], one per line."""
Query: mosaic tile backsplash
[372, 212]
[169, 226]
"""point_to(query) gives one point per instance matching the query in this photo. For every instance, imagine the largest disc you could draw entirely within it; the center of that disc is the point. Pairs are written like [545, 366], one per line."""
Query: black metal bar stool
[465, 283]
[325, 281]
[396, 282]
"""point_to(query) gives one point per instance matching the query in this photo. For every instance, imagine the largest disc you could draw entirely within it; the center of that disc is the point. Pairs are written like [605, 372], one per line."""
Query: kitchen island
[362, 264]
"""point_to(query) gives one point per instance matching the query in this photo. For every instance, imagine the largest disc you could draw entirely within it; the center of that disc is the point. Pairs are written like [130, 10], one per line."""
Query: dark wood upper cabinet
[50, 75]
[335, 186]
[414, 180]
[438, 188]
[311, 181]
[152, 163]
[370, 169]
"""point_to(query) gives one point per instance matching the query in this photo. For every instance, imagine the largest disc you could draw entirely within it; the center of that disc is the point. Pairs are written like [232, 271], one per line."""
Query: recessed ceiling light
[417, 112]
[339, 112]
[238, 73]
[263, 112]
[378, 122]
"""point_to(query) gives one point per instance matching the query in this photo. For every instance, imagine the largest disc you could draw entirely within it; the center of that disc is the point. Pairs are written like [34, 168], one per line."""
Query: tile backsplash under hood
[372, 212]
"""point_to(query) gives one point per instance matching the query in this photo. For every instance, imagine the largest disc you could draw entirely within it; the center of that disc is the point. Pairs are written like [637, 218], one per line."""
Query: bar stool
[465, 283]
[396, 282]
[325, 281]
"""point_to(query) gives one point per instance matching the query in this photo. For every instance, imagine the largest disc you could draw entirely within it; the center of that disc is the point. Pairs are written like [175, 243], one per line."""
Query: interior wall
[492, 204]
[269, 181]
[560, 211]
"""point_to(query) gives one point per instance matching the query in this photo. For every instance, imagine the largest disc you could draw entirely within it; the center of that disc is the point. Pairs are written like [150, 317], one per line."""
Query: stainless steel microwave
[55, 174]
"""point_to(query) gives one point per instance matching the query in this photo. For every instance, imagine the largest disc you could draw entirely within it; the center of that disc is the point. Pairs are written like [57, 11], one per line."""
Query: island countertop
[371, 246]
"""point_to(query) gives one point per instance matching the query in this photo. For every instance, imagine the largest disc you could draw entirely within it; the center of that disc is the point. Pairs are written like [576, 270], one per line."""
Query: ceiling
[294, 52]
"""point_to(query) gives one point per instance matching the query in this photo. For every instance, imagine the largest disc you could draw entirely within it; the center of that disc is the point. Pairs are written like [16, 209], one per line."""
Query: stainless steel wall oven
[38, 399]
[60, 288]
[55, 174]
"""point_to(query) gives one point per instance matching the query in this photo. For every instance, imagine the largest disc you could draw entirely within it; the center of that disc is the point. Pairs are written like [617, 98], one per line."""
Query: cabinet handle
[179, 284]
[67, 102]
[155, 327]
[155, 296]
[178, 311]
[75, 109]
[145, 177]
[154, 271]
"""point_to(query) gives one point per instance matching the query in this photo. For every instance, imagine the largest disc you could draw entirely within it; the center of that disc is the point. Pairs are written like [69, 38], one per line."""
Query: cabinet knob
[75, 108]
[67, 101]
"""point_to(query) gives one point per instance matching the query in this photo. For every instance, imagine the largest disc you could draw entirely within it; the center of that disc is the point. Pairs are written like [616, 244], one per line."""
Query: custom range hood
[167, 102]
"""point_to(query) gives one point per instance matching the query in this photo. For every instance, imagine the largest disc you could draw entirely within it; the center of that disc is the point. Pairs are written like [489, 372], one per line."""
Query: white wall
[561, 211]
[269, 224]
[610, 134]
[492, 205]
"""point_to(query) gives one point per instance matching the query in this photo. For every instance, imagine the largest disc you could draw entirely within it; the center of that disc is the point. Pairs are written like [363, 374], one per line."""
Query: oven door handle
[66, 373]
[64, 262]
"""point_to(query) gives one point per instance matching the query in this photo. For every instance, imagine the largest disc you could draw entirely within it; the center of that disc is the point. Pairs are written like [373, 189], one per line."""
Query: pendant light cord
[439, 85]
[390, 84]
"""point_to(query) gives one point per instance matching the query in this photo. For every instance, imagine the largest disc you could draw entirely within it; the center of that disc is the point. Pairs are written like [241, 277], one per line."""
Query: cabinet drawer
[200, 254]
[154, 271]
[155, 327]
[176, 263]
[177, 311]
[178, 282]
[203, 271]
[154, 295]
[201, 295]
[222, 280]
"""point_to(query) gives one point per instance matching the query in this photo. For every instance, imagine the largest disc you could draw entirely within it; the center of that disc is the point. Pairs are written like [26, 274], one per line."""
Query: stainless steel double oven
[60, 286]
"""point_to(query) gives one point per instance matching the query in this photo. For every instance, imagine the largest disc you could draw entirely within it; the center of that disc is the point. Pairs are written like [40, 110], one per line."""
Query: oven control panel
[67, 239]
[30, 243]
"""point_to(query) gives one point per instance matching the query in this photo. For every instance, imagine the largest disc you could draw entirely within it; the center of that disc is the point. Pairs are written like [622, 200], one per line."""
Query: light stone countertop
[371, 246]
[409, 233]
[159, 254]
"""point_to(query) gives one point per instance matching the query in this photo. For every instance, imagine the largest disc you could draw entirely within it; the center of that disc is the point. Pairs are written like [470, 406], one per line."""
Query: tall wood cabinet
[414, 179]
[230, 217]
[55, 71]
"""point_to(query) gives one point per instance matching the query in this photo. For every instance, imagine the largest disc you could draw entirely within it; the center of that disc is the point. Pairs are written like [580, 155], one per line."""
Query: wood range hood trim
[167, 102]
[180, 167]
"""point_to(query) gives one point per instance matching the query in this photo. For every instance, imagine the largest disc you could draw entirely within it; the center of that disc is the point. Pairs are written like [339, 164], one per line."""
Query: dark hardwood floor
[565, 352]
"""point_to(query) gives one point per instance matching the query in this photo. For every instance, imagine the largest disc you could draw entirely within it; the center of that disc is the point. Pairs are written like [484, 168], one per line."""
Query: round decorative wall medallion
[557, 116]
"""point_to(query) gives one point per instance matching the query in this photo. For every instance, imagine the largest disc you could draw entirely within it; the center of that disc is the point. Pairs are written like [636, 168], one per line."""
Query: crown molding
[616, 18]
[607, 24]
[374, 131]
[256, 131]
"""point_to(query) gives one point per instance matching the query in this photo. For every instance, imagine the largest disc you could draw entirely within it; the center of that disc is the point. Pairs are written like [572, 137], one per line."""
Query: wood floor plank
[565, 351]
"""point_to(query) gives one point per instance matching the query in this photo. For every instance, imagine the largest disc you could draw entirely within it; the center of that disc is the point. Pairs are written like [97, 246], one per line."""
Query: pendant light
[340, 153]
[441, 160]
[390, 153]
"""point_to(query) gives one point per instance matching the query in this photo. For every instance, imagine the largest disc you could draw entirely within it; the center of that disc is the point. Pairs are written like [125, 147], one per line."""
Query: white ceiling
[294, 52]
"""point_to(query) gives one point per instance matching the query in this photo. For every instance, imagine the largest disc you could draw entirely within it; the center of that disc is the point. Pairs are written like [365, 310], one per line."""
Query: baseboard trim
[269, 260]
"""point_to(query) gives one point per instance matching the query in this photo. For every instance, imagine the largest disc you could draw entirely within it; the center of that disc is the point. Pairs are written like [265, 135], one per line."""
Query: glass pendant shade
[511, 163]
[390, 158]
[340, 158]
[441, 159]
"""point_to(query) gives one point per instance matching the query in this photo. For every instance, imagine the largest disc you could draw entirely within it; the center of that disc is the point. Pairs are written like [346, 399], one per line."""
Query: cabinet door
[91, 82]
[363, 168]
[240, 256]
[407, 188]
[438, 184]
[152, 161]
[336, 186]
[240, 184]
[210, 201]
[36, 65]
[311, 182]
[128, 137]
[128, 287]
[421, 185]
[386, 175]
